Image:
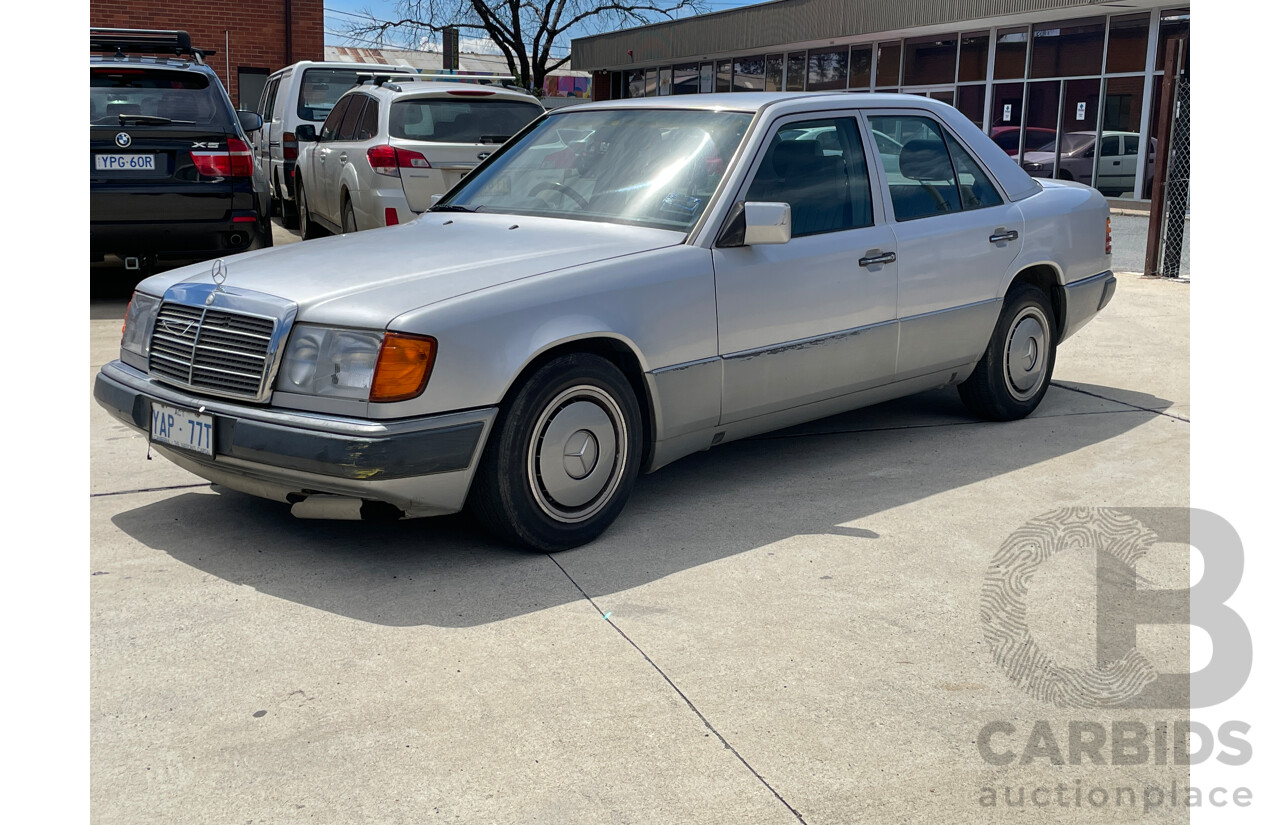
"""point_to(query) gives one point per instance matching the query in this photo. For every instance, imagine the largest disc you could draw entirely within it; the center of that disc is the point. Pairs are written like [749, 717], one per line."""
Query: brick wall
[255, 30]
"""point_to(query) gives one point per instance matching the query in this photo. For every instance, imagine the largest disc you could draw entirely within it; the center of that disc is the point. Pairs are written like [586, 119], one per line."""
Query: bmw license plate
[125, 163]
[182, 428]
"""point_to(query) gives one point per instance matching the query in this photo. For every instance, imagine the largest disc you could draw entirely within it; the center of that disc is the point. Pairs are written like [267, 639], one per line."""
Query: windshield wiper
[452, 208]
[152, 120]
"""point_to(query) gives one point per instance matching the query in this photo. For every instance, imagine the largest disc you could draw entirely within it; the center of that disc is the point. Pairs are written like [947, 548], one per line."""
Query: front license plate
[125, 163]
[182, 428]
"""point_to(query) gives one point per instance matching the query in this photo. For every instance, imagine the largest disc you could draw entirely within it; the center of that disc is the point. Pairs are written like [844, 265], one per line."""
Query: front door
[813, 318]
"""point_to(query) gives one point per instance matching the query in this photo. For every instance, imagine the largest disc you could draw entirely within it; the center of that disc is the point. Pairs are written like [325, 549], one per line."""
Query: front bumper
[421, 466]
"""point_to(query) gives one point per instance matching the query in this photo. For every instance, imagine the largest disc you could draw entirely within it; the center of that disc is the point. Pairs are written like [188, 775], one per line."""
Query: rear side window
[268, 104]
[330, 127]
[917, 165]
[368, 127]
[440, 120]
[175, 96]
[347, 131]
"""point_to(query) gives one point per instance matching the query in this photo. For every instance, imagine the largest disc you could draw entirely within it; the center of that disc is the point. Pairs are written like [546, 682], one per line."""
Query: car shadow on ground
[448, 572]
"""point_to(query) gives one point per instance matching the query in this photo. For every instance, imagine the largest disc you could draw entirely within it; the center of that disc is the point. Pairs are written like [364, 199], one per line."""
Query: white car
[385, 150]
[303, 93]
[1117, 165]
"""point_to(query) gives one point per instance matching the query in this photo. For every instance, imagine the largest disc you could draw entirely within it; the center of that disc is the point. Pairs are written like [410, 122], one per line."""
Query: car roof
[755, 101]
[147, 62]
[429, 88]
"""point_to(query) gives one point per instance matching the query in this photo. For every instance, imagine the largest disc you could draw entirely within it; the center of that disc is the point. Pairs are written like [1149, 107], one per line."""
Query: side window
[330, 127]
[917, 166]
[368, 127]
[268, 102]
[976, 189]
[1131, 144]
[347, 131]
[1110, 145]
[818, 167]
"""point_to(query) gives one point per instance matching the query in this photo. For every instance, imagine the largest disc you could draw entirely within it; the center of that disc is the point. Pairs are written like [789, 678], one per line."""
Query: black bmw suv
[170, 168]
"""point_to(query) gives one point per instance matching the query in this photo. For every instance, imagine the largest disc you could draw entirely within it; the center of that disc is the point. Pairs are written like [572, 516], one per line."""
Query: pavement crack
[148, 490]
[706, 722]
[1118, 401]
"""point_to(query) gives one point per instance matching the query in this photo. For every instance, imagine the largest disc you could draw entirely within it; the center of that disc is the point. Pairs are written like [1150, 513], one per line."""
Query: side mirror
[249, 121]
[305, 133]
[758, 224]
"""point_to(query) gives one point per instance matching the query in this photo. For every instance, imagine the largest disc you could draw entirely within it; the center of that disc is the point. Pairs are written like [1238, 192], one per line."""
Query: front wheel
[563, 456]
[1016, 369]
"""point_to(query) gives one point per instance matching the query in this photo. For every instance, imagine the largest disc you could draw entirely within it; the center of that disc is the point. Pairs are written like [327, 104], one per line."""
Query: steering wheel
[561, 189]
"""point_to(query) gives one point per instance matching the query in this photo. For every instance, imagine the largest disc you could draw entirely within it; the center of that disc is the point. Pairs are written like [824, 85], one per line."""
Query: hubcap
[1026, 353]
[577, 454]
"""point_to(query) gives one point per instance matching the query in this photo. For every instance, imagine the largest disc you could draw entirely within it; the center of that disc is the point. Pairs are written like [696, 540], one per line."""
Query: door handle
[883, 258]
[343, 157]
[1001, 237]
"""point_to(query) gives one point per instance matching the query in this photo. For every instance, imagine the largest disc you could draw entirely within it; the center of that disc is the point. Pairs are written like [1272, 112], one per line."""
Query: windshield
[152, 95]
[443, 120]
[652, 167]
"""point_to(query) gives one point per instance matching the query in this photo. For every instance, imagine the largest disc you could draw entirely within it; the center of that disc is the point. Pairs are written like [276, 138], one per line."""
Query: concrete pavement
[779, 630]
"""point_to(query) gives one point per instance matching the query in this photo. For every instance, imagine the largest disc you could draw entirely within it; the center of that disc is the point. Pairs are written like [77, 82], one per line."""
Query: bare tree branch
[524, 31]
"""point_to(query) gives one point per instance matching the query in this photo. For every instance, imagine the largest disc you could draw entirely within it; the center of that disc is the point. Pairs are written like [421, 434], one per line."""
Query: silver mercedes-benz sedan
[621, 284]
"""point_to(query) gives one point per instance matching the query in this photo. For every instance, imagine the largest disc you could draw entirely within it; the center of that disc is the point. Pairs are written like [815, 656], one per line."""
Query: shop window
[773, 73]
[706, 78]
[929, 61]
[797, 67]
[970, 100]
[664, 80]
[1127, 43]
[828, 70]
[973, 56]
[685, 79]
[748, 74]
[1066, 48]
[635, 83]
[250, 83]
[724, 76]
[860, 67]
[1011, 54]
[1173, 23]
[651, 83]
[1006, 116]
[888, 64]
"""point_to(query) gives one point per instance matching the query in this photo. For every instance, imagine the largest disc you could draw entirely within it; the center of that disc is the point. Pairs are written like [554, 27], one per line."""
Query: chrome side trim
[800, 343]
[973, 305]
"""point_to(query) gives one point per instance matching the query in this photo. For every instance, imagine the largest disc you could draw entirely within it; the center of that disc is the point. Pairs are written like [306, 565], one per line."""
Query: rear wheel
[308, 228]
[288, 210]
[563, 456]
[348, 216]
[1016, 369]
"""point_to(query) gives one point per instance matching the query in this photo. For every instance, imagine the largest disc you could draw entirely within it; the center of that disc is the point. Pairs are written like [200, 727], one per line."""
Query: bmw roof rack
[145, 41]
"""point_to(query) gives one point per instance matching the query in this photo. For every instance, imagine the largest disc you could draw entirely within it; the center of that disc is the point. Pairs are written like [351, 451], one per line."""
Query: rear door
[452, 131]
[144, 123]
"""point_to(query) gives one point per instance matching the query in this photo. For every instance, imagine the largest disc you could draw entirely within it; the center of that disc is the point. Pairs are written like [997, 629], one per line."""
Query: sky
[340, 14]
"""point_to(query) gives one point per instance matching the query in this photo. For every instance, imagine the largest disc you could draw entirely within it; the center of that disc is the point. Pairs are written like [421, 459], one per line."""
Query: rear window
[176, 96]
[321, 89]
[439, 120]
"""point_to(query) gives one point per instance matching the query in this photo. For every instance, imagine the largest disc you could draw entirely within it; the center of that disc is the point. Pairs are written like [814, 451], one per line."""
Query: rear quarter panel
[1066, 228]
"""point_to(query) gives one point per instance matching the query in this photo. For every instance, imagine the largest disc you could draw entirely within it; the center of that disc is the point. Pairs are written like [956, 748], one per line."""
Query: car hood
[368, 278]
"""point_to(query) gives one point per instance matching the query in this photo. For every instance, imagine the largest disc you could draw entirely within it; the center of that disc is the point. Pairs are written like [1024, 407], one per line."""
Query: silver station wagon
[621, 284]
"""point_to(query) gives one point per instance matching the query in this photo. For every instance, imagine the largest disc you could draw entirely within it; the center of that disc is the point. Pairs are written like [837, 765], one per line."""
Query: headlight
[345, 363]
[337, 363]
[137, 323]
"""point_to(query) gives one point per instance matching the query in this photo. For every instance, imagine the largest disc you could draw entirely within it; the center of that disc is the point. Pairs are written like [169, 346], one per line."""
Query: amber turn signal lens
[404, 365]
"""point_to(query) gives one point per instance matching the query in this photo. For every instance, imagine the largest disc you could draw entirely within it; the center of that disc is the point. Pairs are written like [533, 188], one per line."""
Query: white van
[302, 93]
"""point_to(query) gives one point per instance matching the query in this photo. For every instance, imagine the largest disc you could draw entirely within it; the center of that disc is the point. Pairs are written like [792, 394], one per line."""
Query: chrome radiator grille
[221, 352]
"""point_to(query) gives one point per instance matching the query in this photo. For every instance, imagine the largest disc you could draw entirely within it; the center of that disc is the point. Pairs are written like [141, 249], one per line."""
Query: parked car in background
[386, 149]
[170, 169]
[1117, 162]
[303, 93]
[1007, 137]
[623, 284]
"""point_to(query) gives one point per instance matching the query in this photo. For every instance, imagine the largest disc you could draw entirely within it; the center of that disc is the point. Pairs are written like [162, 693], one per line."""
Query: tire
[348, 216]
[1063, 174]
[562, 458]
[288, 211]
[308, 228]
[1016, 369]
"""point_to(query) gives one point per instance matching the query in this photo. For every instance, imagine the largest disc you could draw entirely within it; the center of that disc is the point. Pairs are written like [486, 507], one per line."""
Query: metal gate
[1171, 191]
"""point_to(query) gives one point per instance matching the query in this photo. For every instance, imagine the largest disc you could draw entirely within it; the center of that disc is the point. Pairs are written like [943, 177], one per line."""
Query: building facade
[251, 40]
[1043, 77]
